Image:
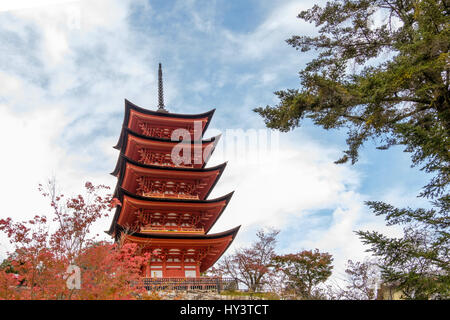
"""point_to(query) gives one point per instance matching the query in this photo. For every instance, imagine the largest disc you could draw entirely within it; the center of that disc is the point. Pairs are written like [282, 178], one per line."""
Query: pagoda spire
[161, 107]
[162, 206]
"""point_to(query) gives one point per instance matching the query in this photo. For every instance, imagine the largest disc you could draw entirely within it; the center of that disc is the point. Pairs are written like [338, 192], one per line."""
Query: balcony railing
[168, 195]
[172, 229]
[200, 283]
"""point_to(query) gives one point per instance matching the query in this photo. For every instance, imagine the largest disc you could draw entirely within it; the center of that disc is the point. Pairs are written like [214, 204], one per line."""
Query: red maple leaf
[115, 202]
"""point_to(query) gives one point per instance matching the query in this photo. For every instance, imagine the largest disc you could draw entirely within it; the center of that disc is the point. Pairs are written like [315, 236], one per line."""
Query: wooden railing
[200, 283]
[172, 229]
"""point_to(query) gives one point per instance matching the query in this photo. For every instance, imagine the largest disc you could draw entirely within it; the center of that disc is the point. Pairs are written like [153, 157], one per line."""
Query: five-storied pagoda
[163, 204]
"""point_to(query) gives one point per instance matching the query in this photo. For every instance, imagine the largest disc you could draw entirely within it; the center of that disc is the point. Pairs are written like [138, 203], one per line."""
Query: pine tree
[400, 100]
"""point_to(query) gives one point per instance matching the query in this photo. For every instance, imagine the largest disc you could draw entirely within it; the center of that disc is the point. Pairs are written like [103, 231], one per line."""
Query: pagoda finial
[161, 107]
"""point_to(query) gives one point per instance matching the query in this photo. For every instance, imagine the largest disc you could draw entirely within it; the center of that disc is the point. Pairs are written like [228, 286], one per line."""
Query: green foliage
[418, 263]
[382, 71]
[305, 270]
[7, 266]
[404, 100]
[257, 295]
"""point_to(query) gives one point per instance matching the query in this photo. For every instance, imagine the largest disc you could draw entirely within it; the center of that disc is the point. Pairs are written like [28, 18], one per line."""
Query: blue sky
[66, 66]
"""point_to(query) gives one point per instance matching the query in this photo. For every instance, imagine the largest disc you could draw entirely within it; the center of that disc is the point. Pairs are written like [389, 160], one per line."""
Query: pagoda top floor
[155, 151]
[159, 124]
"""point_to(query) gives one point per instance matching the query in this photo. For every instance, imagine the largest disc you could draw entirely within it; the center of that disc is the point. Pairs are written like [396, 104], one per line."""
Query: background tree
[418, 263]
[251, 266]
[400, 100]
[36, 269]
[363, 280]
[111, 271]
[74, 216]
[305, 270]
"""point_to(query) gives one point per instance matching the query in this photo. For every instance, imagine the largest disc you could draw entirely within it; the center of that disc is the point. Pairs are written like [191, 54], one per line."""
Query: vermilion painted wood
[163, 206]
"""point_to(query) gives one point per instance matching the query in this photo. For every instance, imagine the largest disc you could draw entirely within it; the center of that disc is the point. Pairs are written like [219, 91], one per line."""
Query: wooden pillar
[182, 263]
[164, 272]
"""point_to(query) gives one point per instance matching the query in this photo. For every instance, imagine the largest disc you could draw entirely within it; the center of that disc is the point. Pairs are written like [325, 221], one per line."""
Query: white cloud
[269, 36]
[291, 192]
[9, 5]
[303, 178]
[314, 202]
[38, 117]
[61, 98]
[29, 156]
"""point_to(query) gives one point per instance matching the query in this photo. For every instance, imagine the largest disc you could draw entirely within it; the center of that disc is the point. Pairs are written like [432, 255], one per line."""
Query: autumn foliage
[251, 266]
[45, 248]
[304, 271]
[259, 268]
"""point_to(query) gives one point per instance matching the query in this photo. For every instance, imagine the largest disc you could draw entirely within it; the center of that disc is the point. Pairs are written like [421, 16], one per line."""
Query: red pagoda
[164, 205]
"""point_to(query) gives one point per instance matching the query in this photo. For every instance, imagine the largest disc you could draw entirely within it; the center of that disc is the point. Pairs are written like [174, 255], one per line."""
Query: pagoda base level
[190, 284]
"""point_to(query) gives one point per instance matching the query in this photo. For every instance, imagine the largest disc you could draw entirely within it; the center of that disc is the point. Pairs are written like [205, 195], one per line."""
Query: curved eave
[122, 143]
[224, 234]
[228, 198]
[235, 231]
[131, 106]
[124, 160]
[220, 168]
[215, 142]
[128, 132]
[232, 232]
[122, 192]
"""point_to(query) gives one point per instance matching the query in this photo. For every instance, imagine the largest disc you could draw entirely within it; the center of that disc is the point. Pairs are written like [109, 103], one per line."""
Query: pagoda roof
[161, 144]
[129, 132]
[174, 172]
[143, 202]
[163, 116]
[219, 241]
[131, 106]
